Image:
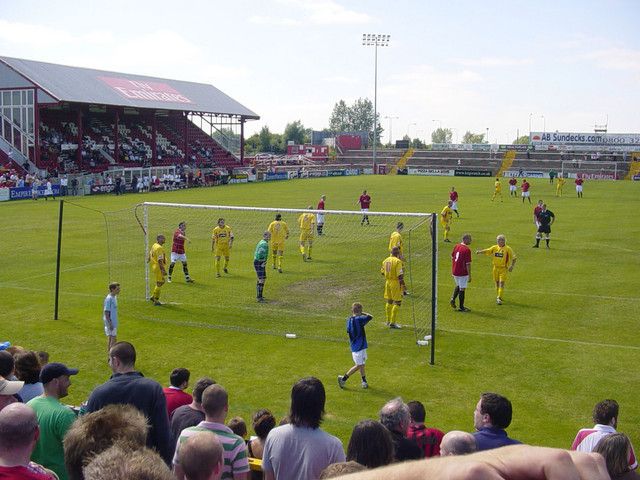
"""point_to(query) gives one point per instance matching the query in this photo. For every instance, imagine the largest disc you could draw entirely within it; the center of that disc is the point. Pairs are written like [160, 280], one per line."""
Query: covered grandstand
[65, 119]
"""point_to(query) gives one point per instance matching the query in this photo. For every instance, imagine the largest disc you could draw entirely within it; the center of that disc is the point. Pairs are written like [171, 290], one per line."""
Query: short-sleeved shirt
[279, 231]
[536, 211]
[357, 334]
[392, 268]
[111, 306]
[579, 181]
[184, 417]
[428, 439]
[513, 181]
[178, 242]
[293, 453]
[320, 205]
[460, 257]
[54, 420]
[501, 256]
[262, 251]
[234, 449]
[222, 235]
[545, 216]
[587, 439]
[396, 241]
[453, 196]
[157, 254]
[498, 185]
[525, 186]
[365, 201]
[306, 221]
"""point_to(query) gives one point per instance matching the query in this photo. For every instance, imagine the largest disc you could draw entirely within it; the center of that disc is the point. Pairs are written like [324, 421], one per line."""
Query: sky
[506, 66]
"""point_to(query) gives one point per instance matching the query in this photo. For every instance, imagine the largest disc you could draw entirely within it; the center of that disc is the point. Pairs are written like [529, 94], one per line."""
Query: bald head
[18, 426]
[456, 442]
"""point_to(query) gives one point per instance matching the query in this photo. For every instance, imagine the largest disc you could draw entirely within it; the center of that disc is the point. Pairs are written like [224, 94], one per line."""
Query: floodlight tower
[375, 40]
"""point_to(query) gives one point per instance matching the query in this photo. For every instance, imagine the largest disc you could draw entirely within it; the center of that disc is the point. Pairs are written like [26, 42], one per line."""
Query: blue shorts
[260, 267]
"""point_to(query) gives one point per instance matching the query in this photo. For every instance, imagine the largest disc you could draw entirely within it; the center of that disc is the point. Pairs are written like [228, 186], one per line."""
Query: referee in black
[546, 219]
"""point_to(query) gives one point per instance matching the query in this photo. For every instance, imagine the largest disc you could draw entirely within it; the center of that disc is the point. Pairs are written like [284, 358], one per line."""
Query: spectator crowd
[132, 428]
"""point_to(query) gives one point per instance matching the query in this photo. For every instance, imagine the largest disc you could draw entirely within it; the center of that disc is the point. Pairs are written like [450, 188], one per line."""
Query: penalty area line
[543, 339]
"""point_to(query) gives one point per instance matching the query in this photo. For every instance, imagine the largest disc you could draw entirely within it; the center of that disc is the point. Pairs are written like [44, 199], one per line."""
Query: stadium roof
[86, 85]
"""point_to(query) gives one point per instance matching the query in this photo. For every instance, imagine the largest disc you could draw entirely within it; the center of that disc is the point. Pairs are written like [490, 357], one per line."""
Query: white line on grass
[544, 339]
[50, 274]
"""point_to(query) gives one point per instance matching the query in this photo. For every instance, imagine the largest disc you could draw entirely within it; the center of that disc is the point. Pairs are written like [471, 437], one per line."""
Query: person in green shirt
[54, 418]
[260, 257]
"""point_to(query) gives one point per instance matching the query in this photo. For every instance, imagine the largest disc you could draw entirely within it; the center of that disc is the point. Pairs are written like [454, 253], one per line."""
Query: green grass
[565, 338]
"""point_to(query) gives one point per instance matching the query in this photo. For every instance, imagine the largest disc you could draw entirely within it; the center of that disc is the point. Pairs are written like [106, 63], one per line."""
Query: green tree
[441, 135]
[355, 118]
[418, 144]
[296, 133]
[522, 140]
[265, 139]
[252, 144]
[339, 120]
[473, 137]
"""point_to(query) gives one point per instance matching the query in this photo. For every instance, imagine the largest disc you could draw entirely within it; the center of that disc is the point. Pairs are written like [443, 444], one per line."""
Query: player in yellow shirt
[221, 242]
[394, 286]
[158, 260]
[279, 231]
[503, 261]
[396, 240]
[307, 223]
[498, 190]
[559, 184]
[445, 220]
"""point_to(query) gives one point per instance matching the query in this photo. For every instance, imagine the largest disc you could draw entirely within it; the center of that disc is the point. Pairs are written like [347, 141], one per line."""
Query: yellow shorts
[157, 274]
[500, 274]
[277, 247]
[222, 250]
[392, 291]
[306, 235]
[444, 225]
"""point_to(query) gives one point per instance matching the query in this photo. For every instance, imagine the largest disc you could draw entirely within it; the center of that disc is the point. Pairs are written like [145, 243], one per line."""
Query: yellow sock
[309, 251]
[156, 293]
[274, 259]
[446, 234]
[217, 265]
[387, 311]
[394, 312]
[279, 261]
[500, 290]
[302, 249]
[226, 262]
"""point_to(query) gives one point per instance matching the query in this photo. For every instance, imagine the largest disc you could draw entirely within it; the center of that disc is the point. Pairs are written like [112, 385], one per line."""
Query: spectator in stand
[18, 436]
[95, 432]
[8, 391]
[175, 393]
[43, 358]
[492, 415]
[28, 370]
[616, 450]
[215, 403]
[120, 463]
[371, 444]
[129, 386]
[605, 415]
[192, 414]
[238, 426]
[395, 416]
[54, 418]
[456, 442]
[263, 423]
[7, 365]
[64, 182]
[428, 439]
[301, 449]
[201, 457]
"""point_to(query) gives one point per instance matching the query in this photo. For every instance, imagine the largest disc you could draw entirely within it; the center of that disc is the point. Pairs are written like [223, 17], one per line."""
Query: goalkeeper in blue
[358, 342]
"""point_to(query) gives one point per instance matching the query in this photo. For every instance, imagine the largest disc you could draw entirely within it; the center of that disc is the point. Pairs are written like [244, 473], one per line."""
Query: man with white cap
[8, 391]
[54, 418]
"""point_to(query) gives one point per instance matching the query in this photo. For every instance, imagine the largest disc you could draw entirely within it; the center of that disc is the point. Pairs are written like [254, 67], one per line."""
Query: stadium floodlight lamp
[375, 40]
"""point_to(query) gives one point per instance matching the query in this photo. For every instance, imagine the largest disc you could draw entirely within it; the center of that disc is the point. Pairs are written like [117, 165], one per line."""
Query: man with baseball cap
[54, 418]
[8, 390]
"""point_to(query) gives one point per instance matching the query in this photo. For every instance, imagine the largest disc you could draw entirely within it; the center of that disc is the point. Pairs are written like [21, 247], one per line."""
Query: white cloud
[492, 62]
[276, 21]
[33, 35]
[328, 12]
[615, 58]
[338, 79]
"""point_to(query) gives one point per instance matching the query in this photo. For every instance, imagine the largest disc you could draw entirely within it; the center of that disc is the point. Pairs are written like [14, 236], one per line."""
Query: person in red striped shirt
[461, 270]
[178, 253]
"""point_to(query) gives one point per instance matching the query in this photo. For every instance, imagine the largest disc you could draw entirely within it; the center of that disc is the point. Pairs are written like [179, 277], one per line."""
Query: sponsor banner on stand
[4, 194]
[594, 176]
[316, 173]
[435, 172]
[239, 178]
[636, 178]
[98, 189]
[276, 176]
[19, 193]
[525, 173]
[585, 138]
[336, 173]
[463, 172]
[517, 148]
[352, 171]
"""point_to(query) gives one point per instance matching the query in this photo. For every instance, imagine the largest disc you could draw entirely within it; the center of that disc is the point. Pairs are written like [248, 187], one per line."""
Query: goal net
[589, 169]
[309, 298]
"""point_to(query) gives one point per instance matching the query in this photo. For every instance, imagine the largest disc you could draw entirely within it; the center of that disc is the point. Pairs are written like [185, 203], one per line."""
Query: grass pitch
[565, 338]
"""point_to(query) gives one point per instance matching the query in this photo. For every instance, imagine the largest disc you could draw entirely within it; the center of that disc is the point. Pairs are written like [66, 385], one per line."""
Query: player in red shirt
[461, 270]
[579, 182]
[453, 196]
[536, 211]
[525, 191]
[320, 216]
[364, 201]
[513, 183]
[177, 252]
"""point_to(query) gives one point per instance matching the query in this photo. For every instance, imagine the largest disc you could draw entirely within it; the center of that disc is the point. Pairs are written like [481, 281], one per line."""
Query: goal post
[344, 267]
